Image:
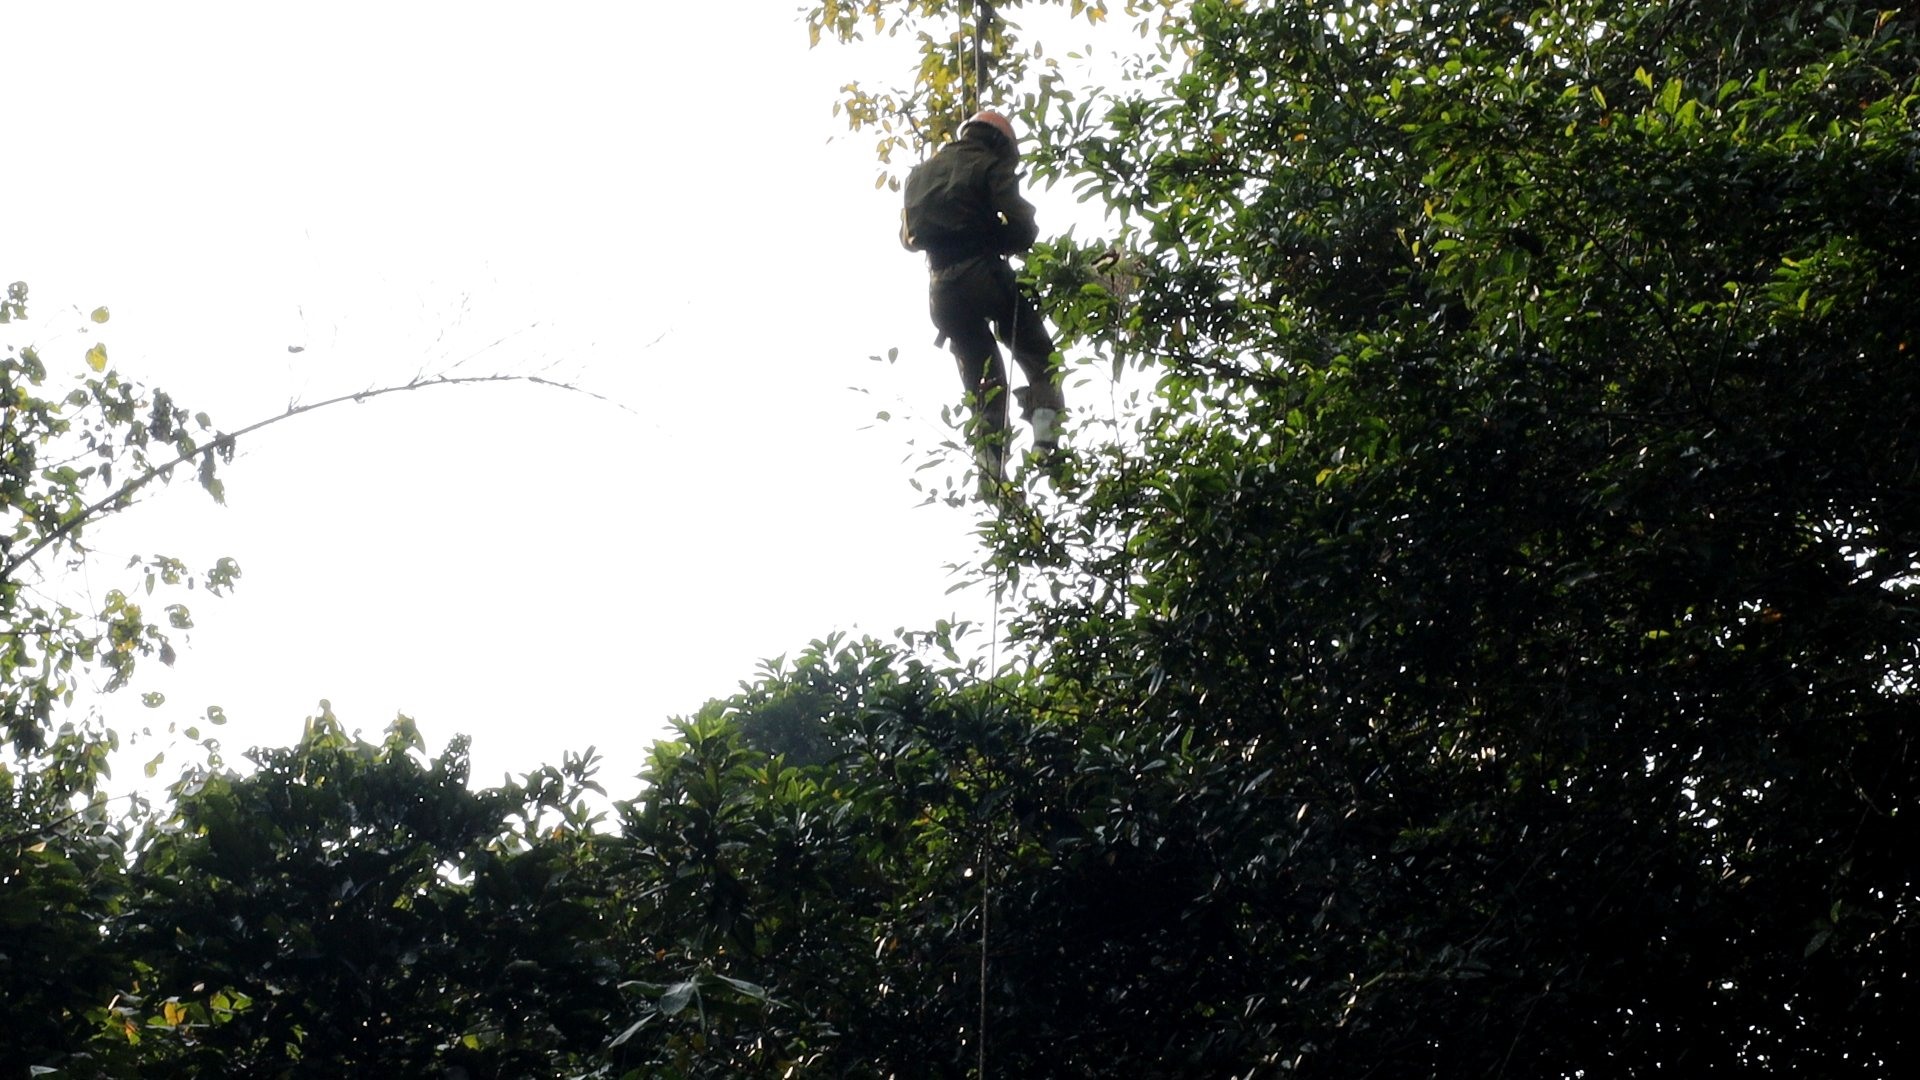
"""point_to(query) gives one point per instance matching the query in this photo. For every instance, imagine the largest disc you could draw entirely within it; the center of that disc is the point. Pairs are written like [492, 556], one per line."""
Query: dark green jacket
[965, 202]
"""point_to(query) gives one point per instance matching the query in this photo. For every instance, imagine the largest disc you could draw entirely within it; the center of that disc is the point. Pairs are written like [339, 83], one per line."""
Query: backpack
[946, 206]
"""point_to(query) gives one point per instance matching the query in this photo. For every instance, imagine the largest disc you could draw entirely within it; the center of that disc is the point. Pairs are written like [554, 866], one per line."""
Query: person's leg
[962, 318]
[1021, 326]
[983, 375]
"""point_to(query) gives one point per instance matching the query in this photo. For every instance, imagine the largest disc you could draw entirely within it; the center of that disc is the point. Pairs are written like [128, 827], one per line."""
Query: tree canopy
[1486, 646]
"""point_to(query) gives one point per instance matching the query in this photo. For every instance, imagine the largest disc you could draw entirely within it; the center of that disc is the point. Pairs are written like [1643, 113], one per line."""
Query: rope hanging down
[972, 100]
[972, 97]
[983, 21]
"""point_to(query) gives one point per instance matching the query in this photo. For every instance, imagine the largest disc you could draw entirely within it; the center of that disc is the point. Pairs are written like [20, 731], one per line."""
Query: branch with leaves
[223, 446]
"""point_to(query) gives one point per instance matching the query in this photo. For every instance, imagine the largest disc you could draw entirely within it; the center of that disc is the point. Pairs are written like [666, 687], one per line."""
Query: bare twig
[48, 830]
[125, 492]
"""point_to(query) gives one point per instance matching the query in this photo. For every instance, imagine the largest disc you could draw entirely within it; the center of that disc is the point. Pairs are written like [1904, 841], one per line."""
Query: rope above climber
[965, 211]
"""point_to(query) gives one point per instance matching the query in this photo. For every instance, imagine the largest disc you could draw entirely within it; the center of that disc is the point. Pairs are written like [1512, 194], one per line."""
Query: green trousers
[976, 305]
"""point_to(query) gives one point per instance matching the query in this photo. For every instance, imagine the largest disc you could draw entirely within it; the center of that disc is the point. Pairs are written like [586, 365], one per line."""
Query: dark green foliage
[834, 896]
[348, 907]
[1505, 622]
[61, 881]
[67, 453]
[1491, 653]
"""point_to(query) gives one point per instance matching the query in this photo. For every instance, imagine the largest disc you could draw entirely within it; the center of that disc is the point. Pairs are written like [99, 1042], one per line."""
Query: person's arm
[1018, 230]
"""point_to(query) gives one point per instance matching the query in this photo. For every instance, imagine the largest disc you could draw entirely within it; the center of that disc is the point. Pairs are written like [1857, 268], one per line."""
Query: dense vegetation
[1489, 648]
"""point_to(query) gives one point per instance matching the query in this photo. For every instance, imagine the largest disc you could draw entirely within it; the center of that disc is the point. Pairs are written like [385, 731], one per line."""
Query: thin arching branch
[127, 490]
[48, 830]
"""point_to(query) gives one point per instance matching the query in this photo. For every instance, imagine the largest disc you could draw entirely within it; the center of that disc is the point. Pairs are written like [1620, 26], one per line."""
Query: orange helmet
[995, 121]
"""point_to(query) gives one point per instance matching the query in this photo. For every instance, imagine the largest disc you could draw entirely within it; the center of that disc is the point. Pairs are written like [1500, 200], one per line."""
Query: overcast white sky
[650, 200]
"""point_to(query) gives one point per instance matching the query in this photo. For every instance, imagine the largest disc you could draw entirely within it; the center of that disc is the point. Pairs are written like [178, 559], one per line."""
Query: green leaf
[1670, 97]
[677, 996]
[631, 1030]
[752, 990]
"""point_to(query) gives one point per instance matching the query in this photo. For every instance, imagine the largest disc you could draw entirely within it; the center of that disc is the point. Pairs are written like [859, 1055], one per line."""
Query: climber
[964, 209]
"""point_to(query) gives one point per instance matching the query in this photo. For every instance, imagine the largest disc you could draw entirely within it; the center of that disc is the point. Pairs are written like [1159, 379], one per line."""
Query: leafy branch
[224, 443]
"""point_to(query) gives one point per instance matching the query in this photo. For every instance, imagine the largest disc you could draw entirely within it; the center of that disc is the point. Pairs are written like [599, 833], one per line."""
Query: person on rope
[964, 210]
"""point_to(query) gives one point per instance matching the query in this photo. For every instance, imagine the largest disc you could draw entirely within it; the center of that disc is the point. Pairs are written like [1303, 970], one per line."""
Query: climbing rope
[971, 94]
[986, 839]
[1004, 450]
[971, 100]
